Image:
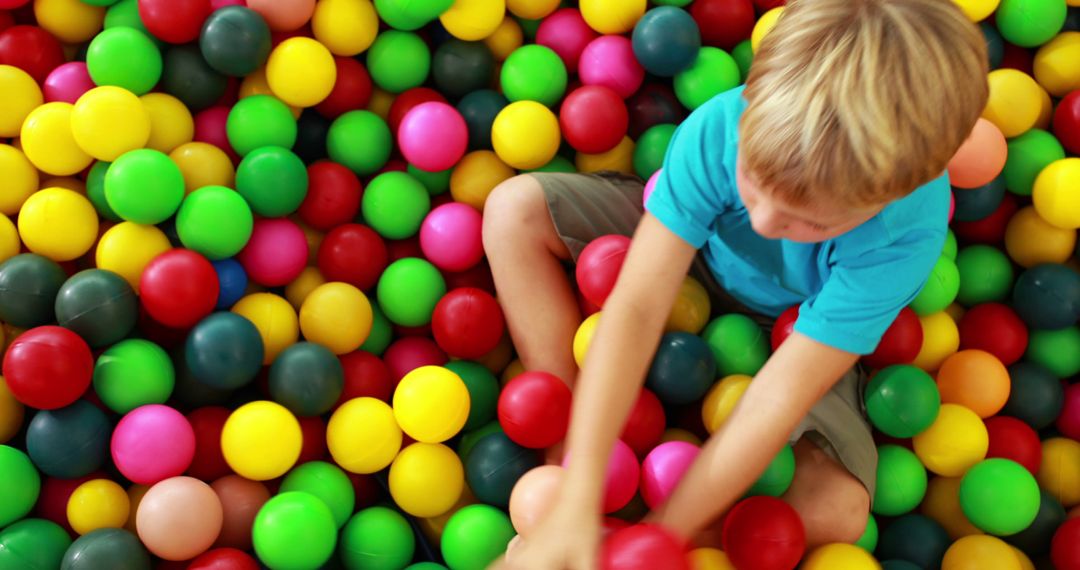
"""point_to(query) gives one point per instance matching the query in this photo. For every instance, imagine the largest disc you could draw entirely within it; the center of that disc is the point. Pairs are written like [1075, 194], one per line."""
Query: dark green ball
[650, 149]
[235, 40]
[995, 44]
[479, 110]
[1035, 539]
[224, 351]
[471, 438]
[914, 538]
[1047, 296]
[273, 180]
[188, 77]
[98, 305]
[190, 392]
[312, 129]
[306, 378]
[95, 191]
[1035, 395]
[899, 565]
[977, 203]
[666, 41]
[494, 466]
[902, 400]
[461, 67]
[382, 332]
[29, 284]
[33, 544]
[682, 370]
[69, 442]
[112, 548]
[483, 391]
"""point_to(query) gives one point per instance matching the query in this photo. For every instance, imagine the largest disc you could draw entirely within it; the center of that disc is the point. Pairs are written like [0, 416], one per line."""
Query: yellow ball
[261, 440]
[677, 434]
[1046, 111]
[49, 143]
[19, 181]
[301, 72]
[171, 123]
[692, 308]
[1056, 193]
[620, 159]
[764, 25]
[58, 223]
[314, 239]
[275, 319]
[721, 400]
[511, 372]
[1025, 562]
[583, 337]
[1031, 240]
[955, 441]
[1057, 64]
[709, 559]
[941, 339]
[505, 39]
[426, 479]
[473, 20]
[1059, 473]
[431, 404]
[1014, 103]
[71, 21]
[942, 503]
[337, 316]
[109, 121]
[980, 552]
[476, 175]
[363, 436]
[10, 245]
[98, 503]
[127, 248]
[840, 556]
[345, 27]
[135, 495]
[532, 9]
[978, 10]
[19, 95]
[11, 413]
[612, 16]
[203, 164]
[308, 280]
[525, 135]
[380, 102]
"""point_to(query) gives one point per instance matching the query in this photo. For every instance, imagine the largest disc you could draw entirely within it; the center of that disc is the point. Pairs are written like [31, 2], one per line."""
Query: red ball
[313, 448]
[53, 498]
[354, 254]
[1065, 547]
[365, 376]
[994, 328]
[1067, 122]
[1068, 421]
[48, 367]
[584, 305]
[409, 353]
[32, 50]
[478, 276]
[224, 559]
[352, 89]
[784, 326]
[333, 196]
[1016, 57]
[901, 342]
[174, 21]
[1013, 439]
[765, 5]
[764, 533]
[598, 266]
[593, 119]
[467, 323]
[653, 104]
[724, 23]
[404, 103]
[209, 463]
[991, 229]
[645, 425]
[6, 20]
[366, 488]
[643, 547]
[534, 409]
[402, 248]
[178, 288]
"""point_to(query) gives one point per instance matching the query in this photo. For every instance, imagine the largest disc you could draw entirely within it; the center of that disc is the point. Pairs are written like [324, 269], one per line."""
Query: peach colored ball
[533, 494]
[179, 518]
[980, 159]
[284, 15]
[241, 500]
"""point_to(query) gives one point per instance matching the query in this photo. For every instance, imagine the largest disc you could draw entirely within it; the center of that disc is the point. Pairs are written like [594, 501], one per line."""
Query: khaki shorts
[586, 206]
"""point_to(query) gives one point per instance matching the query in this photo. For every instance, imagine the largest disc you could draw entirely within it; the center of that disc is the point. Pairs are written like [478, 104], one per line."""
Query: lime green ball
[95, 190]
[483, 391]
[435, 182]
[398, 61]
[714, 71]
[534, 73]
[361, 141]
[144, 186]
[258, 121]
[470, 439]
[901, 481]
[949, 250]
[999, 496]
[377, 537]
[940, 289]
[1028, 155]
[395, 204]
[738, 344]
[986, 275]
[777, 476]
[1030, 23]
[294, 530]
[651, 148]
[426, 566]
[381, 334]
[273, 180]
[409, 15]
[557, 164]
[327, 482]
[214, 221]
[19, 485]
[34, 544]
[125, 13]
[475, 536]
[676, 3]
[124, 57]
[868, 540]
[902, 400]
[133, 373]
[744, 56]
[408, 291]
[1057, 350]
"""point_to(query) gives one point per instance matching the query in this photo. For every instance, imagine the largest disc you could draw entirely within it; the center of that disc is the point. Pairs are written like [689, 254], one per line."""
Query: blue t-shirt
[850, 287]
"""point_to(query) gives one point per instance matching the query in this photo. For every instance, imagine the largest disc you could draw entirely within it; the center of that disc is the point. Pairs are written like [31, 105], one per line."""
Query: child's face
[773, 218]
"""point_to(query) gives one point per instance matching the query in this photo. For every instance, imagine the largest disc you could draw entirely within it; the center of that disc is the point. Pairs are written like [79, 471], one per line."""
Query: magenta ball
[210, 127]
[1068, 422]
[412, 352]
[663, 468]
[219, 4]
[952, 206]
[610, 61]
[650, 185]
[567, 34]
[152, 443]
[68, 82]
[621, 482]
[450, 237]
[276, 253]
[433, 136]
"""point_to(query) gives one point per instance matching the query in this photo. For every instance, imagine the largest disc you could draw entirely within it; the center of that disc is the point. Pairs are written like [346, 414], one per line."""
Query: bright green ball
[534, 73]
[1030, 23]
[777, 476]
[125, 13]
[398, 61]
[395, 204]
[327, 482]
[33, 544]
[744, 57]
[95, 190]
[999, 496]
[1028, 155]
[408, 291]
[377, 537]
[19, 485]
[214, 221]
[714, 71]
[294, 530]
[382, 332]
[144, 186]
[986, 275]
[949, 250]
[435, 182]
[869, 538]
[902, 400]
[940, 289]
[133, 373]
[1057, 350]
[258, 121]
[409, 15]
[273, 180]
[361, 141]
[738, 344]
[124, 57]
[676, 3]
[483, 391]
[650, 149]
[475, 536]
[901, 481]
[557, 164]
[426, 566]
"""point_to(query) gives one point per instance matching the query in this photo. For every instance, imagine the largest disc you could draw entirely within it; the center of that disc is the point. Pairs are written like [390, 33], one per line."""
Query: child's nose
[768, 222]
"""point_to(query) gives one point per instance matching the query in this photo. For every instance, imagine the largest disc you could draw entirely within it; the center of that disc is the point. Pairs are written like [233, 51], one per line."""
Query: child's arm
[800, 372]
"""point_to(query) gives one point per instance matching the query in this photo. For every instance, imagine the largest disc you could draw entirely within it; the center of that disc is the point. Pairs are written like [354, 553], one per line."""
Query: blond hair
[861, 101]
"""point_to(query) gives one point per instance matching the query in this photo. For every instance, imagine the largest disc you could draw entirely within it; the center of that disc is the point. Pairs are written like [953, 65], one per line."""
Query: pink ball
[409, 353]
[433, 136]
[567, 34]
[276, 253]
[1068, 422]
[610, 61]
[451, 237]
[152, 443]
[650, 185]
[210, 128]
[952, 206]
[219, 4]
[663, 468]
[68, 82]
[621, 481]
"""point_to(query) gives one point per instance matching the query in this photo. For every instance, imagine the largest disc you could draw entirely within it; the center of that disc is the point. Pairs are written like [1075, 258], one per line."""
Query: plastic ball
[778, 476]
[58, 223]
[124, 57]
[901, 481]
[48, 142]
[978, 552]
[506, 38]
[295, 530]
[955, 441]
[377, 537]
[345, 28]
[473, 20]
[12, 413]
[144, 186]
[450, 237]
[214, 221]
[978, 203]
[1064, 551]
[1055, 194]
[203, 164]
[171, 123]
[97, 504]
[152, 443]
[223, 558]
[332, 198]
[840, 556]
[361, 141]
[612, 17]
[609, 61]
[261, 440]
[477, 174]
[275, 320]
[494, 466]
[178, 288]
[273, 180]
[1035, 396]
[763, 532]
[363, 436]
[241, 500]
[643, 546]
[899, 345]
[353, 254]
[1066, 121]
[258, 121]
[996, 329]
[20, 182]
[467, 323]
[475, 536]
[666, 41]
[109, 121]
[307, 379]
[327, 482]
[534, 409]
[433, 136]
[682, 370]
[721, 400]
[235, 41]
[106, 548]
[174, 22]
[186, 76]
[127, 248]
[663, 468]
[1030, 23]
[975, 379]
[914, 538]
[1059, 474]
[1047, 296]
[21, 96]
[1055, 67]
[980, 158]
[533, 496]
[1013, 439]
[940, 290]
[336, 315]
[29, 284]
[69, 442]
[431, 404]
[301, 71]
[566, 32]
[395, 204]
[598, 266]
[352, 90]
[902, 401]
[276, 252]
[764, 25]
[525, 135]
[1014, 101]
[48, 367]
[426, 479]
[1028, 154]
[985, 274]
[133, 373]
[649, 154]
[284, 15]
[1068, 422]
[999, 496]
[398, 61]
[738, 344]
[409, 290]
[1057, 350]
[21, 484]
[33, 543]
[534, 73]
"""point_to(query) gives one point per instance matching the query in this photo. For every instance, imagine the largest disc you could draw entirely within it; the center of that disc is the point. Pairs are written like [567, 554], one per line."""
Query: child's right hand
[568, 538]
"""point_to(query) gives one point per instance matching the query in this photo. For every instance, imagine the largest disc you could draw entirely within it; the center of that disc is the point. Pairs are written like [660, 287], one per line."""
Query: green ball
[307, 379]
[361, 141]
[940, 289]
[133, 373]
[1028, 155]
[29, 284]
[258, 121]
[398, 61]
[901, 481]
[1030, 23]
[70, 442]
[743, 54]
[483, 391]
[409, 15]
[124, 57]
[125, 13]
[914, 538]
[19, 485]
[377, 538]
[190, 79]
[986, 275]
[327, 482]
[714, 71]
[382, 332]
[557, 164]
[112, 548]
[475, 536]
[650, 149]
[273, 180]
[294, 530]
[144, 186]
[495, 465]
[223, 351]
[869, 538]
[408, 291]
[95, 190]
[1036, 538]
[470, 439]
[426, 566]
[999, 496]
[738, 344]
[235, 40]
[395, 204]
[479, 110]
[902, 400]
[677, 3]
[435, 182]
[529, 28]
[534, 73]
[98, 305]
[951, 247]
[459, 67]
[1057, 350]
[777, 476]
[1035, 395]
[215, 221]
[33, 544]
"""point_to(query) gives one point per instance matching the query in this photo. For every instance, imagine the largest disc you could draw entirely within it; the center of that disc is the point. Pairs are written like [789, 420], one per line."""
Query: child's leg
[833, 504]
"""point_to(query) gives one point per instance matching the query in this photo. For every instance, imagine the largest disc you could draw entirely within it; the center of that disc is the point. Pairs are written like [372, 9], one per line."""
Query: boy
[820, 185]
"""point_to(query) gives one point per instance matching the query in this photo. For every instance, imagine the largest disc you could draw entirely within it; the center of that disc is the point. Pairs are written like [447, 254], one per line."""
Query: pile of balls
[247, 317]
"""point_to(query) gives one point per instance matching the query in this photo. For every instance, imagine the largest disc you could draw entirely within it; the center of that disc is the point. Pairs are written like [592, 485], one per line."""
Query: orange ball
[284, 15]
[976, 380]
[241, 500]
[980, 158]
[533, 496]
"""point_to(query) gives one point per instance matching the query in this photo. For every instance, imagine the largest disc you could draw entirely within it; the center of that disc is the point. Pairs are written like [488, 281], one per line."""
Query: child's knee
[837, 517]
[512, 212]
